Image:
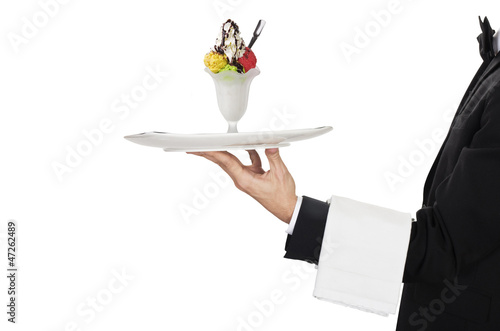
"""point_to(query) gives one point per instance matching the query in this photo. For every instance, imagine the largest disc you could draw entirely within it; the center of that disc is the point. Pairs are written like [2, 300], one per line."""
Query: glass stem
[232, 127]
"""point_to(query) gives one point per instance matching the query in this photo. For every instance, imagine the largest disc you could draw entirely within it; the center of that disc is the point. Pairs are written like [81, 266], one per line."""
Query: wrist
[288, 210]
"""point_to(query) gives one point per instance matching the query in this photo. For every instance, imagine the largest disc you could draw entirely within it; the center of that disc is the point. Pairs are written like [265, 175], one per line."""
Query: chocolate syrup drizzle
[224, 34]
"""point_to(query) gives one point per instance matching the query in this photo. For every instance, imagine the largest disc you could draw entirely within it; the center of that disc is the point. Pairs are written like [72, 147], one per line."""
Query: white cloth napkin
[363, 256]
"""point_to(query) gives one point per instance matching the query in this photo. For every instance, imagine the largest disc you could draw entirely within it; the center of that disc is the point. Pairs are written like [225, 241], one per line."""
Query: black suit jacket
[452, 271]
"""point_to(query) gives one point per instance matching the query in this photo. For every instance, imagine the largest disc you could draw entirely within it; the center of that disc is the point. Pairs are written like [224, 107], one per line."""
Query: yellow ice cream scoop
[215, 61]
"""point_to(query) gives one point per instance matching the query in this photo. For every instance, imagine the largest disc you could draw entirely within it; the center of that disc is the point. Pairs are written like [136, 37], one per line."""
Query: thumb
[274, 158]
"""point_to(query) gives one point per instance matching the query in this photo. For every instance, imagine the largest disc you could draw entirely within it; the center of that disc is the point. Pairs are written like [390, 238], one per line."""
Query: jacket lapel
[482, 73]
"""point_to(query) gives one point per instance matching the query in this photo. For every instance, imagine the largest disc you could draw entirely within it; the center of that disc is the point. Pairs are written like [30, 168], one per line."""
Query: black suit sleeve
[461, 228]
[305, 243]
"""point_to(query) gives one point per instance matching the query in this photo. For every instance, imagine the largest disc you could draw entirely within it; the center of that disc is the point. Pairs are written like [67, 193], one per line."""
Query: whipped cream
[229, 42]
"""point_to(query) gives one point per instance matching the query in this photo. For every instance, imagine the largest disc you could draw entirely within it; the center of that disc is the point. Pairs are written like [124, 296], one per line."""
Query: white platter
[202, 142]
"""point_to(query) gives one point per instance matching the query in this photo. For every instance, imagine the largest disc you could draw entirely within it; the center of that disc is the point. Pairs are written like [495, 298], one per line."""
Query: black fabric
[305, 244]
[456, 237]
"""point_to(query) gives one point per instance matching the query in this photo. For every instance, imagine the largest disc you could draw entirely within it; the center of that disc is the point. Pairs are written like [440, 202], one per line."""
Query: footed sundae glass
[232, 90]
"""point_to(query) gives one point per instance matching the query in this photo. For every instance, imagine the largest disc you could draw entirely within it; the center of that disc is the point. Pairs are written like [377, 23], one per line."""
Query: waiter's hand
[274, 189]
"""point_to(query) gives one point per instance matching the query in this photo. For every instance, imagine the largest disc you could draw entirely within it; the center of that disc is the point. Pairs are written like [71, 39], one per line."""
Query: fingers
[275, 161]
[227, 161]
[254, 156]
[235, 169]
[232, 165]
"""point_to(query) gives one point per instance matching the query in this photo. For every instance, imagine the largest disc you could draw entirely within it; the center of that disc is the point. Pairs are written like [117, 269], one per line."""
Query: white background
[118, 209]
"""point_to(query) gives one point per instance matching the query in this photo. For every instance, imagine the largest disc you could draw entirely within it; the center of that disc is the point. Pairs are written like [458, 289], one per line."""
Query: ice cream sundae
[230, 52]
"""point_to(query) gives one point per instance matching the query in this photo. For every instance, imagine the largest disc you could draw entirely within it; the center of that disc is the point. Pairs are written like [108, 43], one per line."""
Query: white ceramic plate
[201, 142]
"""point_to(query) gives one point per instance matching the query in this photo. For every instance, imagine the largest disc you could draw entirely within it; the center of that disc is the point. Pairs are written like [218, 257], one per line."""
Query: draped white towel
[363, 256]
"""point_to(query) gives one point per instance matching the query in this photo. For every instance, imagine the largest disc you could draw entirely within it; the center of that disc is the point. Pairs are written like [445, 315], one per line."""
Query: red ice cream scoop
[248, 59]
